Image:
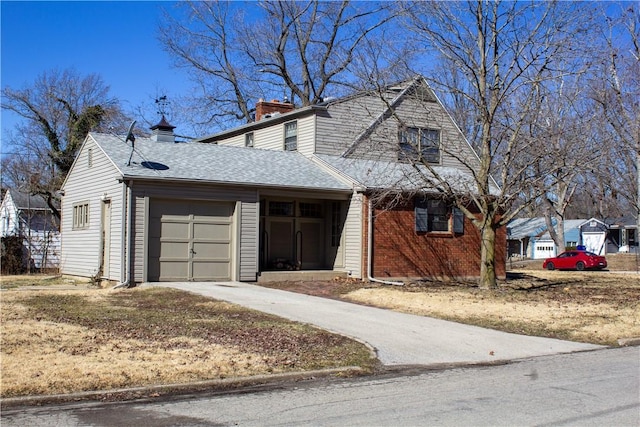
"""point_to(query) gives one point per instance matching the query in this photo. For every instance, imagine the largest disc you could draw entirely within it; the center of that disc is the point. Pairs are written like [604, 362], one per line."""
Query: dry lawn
[590, 307]
[61, 341]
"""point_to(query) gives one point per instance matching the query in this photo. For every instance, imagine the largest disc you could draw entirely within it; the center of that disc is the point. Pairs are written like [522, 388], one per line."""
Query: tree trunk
[488, 278]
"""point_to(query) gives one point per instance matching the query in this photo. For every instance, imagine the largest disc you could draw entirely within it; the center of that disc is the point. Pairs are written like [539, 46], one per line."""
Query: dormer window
[248, 140]
[291, 136]
[419, 144]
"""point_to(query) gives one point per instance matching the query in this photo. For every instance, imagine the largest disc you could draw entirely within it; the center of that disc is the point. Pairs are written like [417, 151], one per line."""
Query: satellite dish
[132, 138]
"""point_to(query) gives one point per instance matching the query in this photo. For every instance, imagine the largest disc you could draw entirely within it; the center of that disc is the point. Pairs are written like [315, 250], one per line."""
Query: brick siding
[400, 252]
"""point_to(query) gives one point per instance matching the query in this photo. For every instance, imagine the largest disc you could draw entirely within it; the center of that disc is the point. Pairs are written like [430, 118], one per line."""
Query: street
[599, 387]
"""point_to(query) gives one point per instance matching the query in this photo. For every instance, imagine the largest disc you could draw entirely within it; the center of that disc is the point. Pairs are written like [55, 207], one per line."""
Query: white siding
[8, 217]
[272, 137]
[81, 248]
[235, 141]
[353, 237]
[306, 135]
[269, 138]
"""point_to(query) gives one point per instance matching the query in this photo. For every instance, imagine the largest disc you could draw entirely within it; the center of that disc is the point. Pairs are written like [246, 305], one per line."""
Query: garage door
[189, 240]
[544, 249]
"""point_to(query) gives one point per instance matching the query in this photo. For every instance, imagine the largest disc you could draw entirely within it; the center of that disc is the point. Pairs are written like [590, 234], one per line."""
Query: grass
[62, 336]
[67, 341]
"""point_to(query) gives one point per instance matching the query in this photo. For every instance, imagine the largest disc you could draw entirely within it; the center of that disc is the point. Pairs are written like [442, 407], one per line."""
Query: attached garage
[190, 240]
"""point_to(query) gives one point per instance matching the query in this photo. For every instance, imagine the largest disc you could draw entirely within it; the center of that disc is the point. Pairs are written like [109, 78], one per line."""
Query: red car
[578, 260]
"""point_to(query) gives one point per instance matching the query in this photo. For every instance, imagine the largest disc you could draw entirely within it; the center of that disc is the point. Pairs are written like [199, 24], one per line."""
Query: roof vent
[163, 131]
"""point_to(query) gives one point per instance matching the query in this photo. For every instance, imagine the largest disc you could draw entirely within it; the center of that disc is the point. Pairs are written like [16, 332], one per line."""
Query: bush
[12, 250]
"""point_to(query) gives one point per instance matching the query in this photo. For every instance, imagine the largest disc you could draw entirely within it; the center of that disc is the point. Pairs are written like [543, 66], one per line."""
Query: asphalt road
[594, 388]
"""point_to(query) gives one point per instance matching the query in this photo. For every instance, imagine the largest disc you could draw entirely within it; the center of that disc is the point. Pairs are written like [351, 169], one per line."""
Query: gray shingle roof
[402, 176]
[193, 161]
[24, 201]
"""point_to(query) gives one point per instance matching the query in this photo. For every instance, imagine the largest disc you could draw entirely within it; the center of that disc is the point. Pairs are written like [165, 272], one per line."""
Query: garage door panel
[211, 271]
[211, 251]
[173, 270]
[178, 250]
[174, 230]
[211, 231]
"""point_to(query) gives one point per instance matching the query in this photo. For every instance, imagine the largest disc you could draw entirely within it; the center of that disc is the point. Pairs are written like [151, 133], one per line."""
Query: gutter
[369, 249]
[234, 183]
[125, 244]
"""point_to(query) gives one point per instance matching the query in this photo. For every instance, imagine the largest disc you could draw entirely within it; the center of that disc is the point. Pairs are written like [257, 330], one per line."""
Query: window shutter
[458, 221]
[422, 216]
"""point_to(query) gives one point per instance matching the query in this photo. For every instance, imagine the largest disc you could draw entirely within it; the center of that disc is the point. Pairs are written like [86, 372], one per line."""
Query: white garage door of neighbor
[190, 240]
[594, 242]
[544, 249]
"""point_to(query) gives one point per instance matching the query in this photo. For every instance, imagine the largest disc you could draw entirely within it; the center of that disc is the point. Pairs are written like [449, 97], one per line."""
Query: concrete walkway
[399, 339]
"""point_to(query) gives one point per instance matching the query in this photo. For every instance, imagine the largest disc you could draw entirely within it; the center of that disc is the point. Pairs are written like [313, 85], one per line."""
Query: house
[530, 237]
[622, 235]
[28, 216]
[325, 187]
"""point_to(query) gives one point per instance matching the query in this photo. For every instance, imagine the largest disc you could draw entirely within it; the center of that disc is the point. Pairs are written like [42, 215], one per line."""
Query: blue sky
[115, 39]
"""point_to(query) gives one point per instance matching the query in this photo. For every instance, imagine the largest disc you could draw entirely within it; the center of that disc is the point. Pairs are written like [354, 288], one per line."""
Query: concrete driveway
[399, 339]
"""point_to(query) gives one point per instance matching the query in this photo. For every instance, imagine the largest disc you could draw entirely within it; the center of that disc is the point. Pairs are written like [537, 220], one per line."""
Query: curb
[157, 391]
[629, 342]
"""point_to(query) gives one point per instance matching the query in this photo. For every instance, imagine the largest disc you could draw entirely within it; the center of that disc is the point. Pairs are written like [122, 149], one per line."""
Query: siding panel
[354, 237]
[80, 249]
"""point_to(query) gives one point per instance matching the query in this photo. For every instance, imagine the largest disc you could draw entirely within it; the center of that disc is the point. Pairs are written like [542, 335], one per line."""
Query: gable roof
[24, 201]
[537, 227]
[212, 163]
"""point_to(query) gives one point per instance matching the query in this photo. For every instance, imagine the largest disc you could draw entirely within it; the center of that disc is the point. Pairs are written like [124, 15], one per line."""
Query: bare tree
[58, 110]
[302, 51]
[565, 132]
[616, 91]
[502, 53]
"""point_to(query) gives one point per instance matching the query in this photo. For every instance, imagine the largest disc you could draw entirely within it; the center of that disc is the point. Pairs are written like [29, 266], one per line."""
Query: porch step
[284, 276]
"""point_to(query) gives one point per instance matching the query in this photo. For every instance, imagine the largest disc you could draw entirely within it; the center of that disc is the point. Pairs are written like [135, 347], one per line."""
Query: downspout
[370, 248]
[125, 244]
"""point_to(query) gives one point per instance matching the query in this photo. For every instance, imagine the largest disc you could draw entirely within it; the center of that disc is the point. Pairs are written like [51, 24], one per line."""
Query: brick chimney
[163, 131]
[266, 108]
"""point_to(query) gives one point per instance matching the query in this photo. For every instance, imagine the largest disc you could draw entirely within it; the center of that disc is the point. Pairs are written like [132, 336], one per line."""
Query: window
[419, 144]
[433, 215]
[291, 136]
[80, 216]
[281, 208]
[248, 140]
[310, 210]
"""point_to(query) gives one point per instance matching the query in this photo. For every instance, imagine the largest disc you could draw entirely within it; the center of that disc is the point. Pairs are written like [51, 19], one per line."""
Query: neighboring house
[623, 235]
[530, 237]
[593, 233]
[298, 189]
[29, 217]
